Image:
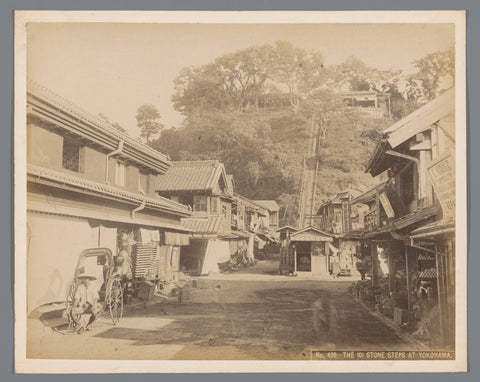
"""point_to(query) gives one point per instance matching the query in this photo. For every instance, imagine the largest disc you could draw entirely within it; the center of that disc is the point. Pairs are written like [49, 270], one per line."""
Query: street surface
[252, 314]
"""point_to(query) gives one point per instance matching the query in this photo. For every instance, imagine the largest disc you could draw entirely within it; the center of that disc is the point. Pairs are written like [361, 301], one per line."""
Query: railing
[322, 222]
[371, 112]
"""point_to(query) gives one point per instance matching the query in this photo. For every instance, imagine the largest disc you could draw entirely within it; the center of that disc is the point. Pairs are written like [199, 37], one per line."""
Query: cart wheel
[73, 319]
[114, 300]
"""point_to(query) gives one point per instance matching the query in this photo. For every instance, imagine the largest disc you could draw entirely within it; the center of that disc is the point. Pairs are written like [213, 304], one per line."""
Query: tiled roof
[270, 205]
[209, 225]
[190, 176]
[40, 92]
[69, 179]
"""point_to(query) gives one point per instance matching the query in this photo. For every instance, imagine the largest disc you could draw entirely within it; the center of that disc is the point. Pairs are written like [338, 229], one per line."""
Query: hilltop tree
[432, 68]
[237, 81]
[147, 121]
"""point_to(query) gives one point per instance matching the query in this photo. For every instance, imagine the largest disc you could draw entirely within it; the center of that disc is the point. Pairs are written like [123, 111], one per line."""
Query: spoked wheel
[73, 319]
[114, 300]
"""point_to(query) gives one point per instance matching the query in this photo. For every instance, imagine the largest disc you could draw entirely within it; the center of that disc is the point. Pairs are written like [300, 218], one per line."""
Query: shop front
[310, 249]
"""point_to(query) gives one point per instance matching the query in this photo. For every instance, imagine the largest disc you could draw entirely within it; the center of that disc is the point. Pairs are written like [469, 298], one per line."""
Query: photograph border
[24, 365]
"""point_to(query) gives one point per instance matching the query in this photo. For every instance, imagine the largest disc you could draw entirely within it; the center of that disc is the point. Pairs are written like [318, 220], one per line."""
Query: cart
[100, 262]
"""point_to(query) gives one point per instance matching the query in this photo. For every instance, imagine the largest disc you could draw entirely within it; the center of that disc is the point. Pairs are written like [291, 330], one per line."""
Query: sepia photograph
[197, 187]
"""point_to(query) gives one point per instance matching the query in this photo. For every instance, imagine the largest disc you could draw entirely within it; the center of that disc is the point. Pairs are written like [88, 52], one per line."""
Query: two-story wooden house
[408, 233]
[87, 184]
[272, 208]
[205, 187]
[335, 215]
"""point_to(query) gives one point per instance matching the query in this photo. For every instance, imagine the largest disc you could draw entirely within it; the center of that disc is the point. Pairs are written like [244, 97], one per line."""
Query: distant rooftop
[192, 176]
[270, 205]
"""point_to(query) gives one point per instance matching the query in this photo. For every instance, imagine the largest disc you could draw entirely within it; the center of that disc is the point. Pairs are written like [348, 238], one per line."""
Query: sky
[113, 68]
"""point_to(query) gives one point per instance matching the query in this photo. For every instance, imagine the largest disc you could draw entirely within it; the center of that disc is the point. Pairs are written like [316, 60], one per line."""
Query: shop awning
[176, 238]
[440, 227]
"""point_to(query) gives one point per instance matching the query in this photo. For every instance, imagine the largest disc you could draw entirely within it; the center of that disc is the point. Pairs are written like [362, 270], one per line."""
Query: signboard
[386, 205]
[442, 174]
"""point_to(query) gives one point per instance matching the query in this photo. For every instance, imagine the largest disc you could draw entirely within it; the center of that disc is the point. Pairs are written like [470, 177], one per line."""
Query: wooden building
[334, 214]
[369, 104]
[88, 184]
[408, 232]
[310, 251]
[272, 208]
[205, 187]
[286, 260]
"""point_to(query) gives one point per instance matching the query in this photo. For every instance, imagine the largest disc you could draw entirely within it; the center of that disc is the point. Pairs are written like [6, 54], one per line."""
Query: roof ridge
[60, 175]
[79, 112]
[195, 162]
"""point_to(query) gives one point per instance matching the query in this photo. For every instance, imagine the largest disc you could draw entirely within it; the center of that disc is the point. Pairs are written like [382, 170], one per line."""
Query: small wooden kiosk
[310, 252]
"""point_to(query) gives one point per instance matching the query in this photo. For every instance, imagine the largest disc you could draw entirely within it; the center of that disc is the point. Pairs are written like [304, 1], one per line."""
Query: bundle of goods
[237, 260]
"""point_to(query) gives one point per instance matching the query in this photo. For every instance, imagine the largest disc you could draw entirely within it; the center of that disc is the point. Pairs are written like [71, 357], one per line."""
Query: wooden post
[440, 294]
[295, 260]
[391, 268]
[374, 255]
[407, 270]
[377, 209]
[327, 258]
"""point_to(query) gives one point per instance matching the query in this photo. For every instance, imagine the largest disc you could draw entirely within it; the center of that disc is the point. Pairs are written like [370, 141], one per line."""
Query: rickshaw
[100, 263]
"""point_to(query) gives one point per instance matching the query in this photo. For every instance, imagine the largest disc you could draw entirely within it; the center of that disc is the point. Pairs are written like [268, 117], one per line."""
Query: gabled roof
[311, 234]
[192, 176]
[270, 205]
[353, 192]
[421, 119]
[250, 204]
[312, 228]
[413, 124]
[340, 196]
[287, 227]
[230, 181]
[369, 196]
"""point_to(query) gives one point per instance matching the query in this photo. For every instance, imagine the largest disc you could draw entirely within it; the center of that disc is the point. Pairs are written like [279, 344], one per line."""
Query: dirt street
[255, 315]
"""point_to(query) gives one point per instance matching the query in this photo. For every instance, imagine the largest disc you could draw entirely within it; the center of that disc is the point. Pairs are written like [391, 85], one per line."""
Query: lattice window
[200, 203]
[71, 156]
